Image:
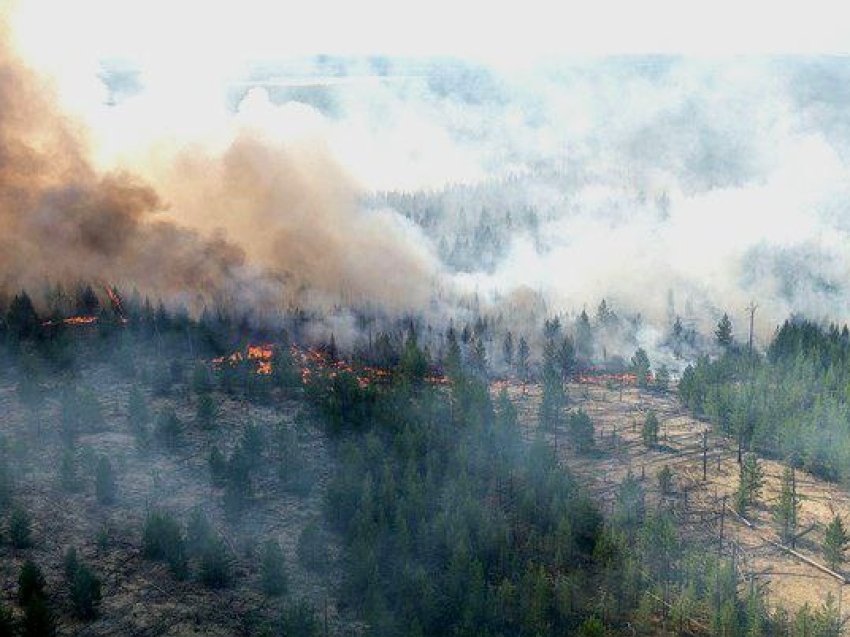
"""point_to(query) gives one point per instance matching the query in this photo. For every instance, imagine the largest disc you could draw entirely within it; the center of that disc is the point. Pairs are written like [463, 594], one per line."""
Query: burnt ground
[698, 504]
[140, 597]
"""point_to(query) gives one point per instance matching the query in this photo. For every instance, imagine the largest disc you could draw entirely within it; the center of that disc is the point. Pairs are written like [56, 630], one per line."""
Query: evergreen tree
[6, 484]
[665, 480]
[163, 540]
[584, 338]
[69, 478]
[202, 382]
[508, 349]
[22, 322]
[138, 417]
[85, 590]
[641, 368]
[650, 429]
[750, 482]
[169, 429]
[30, 583]
[20, 529]
[567, 358]
[723, 333]
[554, 397]
[787, 507]
[218, 467]
[581, 431]
[835, 541]
[215, 565]
[312, 549]
[38, 619]
[199, 533]
[105, 483]
[523, 355]
[206, 411]
[273, 577]
[413, 364]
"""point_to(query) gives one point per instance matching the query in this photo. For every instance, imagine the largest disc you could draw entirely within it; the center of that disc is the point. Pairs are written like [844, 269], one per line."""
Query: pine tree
[85, 588]
[30, 583]
[106, 485]
[649, 431]
[787, 508]
[566, 358]
[581, 431]
[665, 480]
[641, 368]
[750, 482]
[723, 333]
[22, 322]
[205, 411]
[169, 429]
[69, 478]
[138, 418]
[835, 541]
[584, 338]
[20, 529]
[273, 570]
[522, 359]
[215, 565]
[38, 619]
[508, 349]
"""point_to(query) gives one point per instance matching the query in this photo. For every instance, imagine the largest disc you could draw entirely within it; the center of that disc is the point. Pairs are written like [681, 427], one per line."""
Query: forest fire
[604, 378]
[72, 320]
[315, 363]
[260, 355]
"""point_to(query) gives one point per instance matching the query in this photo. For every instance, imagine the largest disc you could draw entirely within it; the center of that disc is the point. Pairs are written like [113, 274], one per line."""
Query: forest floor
[698, 504]
[140, 597]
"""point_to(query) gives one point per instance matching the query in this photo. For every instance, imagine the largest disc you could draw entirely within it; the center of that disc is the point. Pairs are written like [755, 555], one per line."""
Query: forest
[413, 502]
[791, 402]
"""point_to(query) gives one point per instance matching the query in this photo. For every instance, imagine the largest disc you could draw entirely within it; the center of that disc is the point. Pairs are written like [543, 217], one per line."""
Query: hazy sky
[720, 176]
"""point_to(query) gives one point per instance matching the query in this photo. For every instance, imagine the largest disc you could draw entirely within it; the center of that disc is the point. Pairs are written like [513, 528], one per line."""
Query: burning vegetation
[295, 483]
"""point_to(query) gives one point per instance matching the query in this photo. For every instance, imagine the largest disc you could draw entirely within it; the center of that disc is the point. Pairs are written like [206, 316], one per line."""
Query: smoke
[248, 220]
[62, 220]
[716, 181]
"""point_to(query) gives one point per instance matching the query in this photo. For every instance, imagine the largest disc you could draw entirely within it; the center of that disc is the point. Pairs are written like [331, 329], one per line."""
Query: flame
[116, 302]
[315, 363]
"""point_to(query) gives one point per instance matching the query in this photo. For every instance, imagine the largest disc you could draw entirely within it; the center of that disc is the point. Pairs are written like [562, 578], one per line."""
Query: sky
[499, 31]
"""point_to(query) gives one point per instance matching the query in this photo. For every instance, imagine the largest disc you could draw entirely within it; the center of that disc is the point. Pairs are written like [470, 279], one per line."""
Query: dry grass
[698, 504]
